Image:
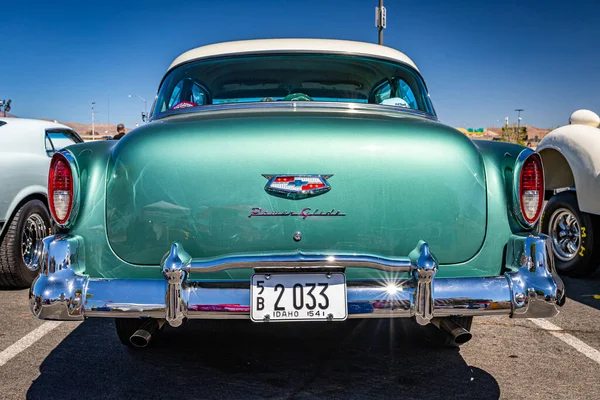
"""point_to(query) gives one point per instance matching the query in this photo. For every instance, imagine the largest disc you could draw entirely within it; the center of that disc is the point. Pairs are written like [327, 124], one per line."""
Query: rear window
[2, 123]
[293, 77]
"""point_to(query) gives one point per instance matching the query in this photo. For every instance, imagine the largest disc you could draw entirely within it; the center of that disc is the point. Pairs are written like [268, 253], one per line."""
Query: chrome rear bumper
[533, 290]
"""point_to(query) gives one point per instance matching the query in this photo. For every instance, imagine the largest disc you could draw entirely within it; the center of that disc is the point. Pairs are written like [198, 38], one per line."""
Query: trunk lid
[196, 180]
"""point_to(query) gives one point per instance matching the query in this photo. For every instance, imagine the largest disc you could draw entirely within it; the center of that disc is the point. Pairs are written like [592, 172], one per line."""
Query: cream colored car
[571, 158]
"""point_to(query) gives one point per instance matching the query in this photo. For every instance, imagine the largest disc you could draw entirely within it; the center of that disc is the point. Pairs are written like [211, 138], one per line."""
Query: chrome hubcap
[565, 234]
[34, 231]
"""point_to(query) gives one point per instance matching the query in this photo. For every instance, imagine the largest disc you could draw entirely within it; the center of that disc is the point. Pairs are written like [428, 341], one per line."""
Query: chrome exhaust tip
[142, 337]
[457, 333]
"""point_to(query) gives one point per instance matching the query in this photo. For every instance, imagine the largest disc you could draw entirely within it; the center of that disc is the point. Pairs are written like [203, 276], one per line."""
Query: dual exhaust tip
[457, 334]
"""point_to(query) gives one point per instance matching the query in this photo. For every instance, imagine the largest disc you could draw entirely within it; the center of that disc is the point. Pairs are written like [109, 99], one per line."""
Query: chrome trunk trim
[297, 261]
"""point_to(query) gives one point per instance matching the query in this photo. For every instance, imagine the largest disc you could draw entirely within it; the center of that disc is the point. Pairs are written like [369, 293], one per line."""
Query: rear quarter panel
[500, 160]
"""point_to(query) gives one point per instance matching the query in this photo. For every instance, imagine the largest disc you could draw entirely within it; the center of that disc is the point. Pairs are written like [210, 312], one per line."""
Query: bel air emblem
[297, 186]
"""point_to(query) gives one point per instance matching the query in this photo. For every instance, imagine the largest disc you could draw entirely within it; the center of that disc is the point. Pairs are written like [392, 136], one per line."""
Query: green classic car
[295, 180]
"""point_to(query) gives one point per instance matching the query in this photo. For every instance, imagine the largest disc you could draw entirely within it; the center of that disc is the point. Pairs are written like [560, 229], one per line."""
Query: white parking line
[569, 339]
[26, 341]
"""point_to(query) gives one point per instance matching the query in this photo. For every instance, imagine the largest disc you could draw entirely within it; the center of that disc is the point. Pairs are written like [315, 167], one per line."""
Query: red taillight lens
[531, 188]
[60, 188]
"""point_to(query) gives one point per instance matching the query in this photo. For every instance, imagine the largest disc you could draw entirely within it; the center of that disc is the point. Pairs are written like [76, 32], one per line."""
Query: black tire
[14, 273]
[437, 338]
[587, 257]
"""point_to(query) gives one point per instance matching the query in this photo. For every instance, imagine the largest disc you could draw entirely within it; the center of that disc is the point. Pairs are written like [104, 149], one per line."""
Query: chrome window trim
[70, 132]
[313, 106]
[290, 52]
[47, 139]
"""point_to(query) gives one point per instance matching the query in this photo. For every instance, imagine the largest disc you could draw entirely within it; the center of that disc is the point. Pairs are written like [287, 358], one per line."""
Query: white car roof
[293, 45]
[26, 124]
[25, 135]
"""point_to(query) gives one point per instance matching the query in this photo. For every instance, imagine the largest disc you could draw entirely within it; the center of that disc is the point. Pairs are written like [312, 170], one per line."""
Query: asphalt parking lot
[507, 358]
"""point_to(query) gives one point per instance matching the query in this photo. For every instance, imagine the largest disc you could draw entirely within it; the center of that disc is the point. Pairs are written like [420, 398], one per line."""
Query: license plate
[298, 297]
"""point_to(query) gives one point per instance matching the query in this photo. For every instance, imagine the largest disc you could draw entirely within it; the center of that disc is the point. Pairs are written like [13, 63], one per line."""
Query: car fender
[28, 191]
[571, 158]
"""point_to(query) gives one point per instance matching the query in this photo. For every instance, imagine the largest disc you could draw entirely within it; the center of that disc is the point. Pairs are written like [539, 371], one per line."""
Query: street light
[6, 105]
[145, 105]
[93, 126]
[108, 110]
[518, 122]
[380, 20]
[519, 118]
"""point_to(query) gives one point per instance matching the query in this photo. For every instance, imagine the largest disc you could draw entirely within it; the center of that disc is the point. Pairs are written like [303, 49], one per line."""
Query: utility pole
[380, 20]
[93, 127]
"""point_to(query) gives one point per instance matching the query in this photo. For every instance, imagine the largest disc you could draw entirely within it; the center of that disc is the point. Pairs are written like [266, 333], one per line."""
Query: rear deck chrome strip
[262, 108]
[300, 261]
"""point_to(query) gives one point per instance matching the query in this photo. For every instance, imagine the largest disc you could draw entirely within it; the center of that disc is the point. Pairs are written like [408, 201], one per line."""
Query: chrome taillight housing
[530, 188]
[61, 188]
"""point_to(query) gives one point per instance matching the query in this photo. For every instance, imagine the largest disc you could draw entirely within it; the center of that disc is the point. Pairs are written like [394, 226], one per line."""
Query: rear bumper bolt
[520, 297]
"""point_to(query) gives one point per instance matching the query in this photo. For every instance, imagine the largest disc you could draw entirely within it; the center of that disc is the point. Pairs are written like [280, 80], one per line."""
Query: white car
[571, 158]
[26, 147]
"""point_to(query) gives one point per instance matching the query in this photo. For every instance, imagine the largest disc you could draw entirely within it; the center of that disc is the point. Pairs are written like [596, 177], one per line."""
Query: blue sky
[480, 59]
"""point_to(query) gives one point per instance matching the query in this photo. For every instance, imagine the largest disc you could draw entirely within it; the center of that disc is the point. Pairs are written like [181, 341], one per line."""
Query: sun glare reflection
[393, 286]
[392, 289]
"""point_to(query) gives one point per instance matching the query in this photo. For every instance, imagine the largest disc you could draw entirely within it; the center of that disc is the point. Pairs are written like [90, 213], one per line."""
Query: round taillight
[531, 188]
[60, 188]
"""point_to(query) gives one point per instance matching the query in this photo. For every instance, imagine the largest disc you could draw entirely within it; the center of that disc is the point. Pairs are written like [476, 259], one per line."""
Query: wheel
[574, 244]
[21, 248]
[435, 337]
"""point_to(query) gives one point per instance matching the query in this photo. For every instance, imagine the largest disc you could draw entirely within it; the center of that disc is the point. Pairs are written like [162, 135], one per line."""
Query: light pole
[518, 110]
[93, 126]
[108, 122]
[519, 117]
[145, 104]
[5, 105]
[380, 20]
